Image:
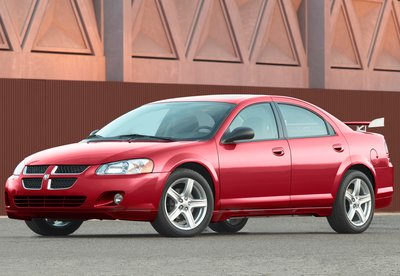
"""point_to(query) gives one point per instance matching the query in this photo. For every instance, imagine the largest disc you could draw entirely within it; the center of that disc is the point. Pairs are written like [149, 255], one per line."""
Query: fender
[345, 166]
[183, 158]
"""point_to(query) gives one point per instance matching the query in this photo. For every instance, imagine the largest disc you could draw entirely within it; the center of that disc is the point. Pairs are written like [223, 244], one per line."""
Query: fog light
[118, 198]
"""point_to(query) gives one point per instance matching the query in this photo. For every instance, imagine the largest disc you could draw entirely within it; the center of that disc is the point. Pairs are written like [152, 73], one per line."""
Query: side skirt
[221, 215]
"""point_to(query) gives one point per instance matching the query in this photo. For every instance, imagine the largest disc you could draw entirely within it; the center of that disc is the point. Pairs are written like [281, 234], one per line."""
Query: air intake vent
[49, 201]
[32, 183]
[70, 169]
[35, 169]
[61, 183]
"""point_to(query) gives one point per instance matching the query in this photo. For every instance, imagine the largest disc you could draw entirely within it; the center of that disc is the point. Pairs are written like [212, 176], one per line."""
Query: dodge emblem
[46, 176]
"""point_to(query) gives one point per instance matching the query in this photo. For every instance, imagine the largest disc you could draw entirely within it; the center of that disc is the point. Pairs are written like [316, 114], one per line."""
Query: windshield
[174, 121]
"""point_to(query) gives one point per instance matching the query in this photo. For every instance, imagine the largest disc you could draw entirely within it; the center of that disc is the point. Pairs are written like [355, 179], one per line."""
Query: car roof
[227, 98]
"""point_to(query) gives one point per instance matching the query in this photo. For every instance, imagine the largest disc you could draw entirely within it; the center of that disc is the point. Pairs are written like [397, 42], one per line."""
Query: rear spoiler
[362, 126]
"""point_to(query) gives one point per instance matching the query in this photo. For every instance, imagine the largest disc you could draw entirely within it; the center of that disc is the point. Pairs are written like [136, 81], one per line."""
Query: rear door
[317, 152]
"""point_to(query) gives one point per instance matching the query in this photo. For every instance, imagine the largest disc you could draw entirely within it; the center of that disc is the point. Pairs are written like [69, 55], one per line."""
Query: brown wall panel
[38, 114]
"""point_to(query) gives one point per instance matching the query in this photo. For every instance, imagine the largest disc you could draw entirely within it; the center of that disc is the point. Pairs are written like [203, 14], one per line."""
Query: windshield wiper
[134, 137]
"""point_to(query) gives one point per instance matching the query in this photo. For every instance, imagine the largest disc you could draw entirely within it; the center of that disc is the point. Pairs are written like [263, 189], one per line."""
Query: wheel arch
[354, 163]
[366, 170]
[361, 167]
[204, 171]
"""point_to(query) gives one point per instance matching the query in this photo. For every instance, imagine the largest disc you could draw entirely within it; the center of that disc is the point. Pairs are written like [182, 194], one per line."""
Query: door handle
[279, 151]
[338, 147]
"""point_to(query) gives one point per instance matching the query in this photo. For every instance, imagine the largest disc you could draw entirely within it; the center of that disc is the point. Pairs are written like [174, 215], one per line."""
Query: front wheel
[186, 205]
[354, 206]
[49, 227]
[231, 225]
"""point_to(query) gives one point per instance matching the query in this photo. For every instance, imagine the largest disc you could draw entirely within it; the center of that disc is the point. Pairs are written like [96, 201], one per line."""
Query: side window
[260, 118]
[301, 122]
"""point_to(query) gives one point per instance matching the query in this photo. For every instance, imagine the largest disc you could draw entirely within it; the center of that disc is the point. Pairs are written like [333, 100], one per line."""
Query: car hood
[94, 153]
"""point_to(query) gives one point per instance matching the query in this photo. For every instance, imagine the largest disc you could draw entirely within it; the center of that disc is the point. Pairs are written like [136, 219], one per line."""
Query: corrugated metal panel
[37, 114]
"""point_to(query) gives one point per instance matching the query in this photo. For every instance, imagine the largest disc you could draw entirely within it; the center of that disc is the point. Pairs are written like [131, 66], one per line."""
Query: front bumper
[142, 194]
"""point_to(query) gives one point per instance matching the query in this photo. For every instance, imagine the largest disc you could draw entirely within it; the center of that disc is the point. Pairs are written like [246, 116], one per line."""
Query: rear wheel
[354, 206]
[50, 227]
[231, 225]
[186, 205]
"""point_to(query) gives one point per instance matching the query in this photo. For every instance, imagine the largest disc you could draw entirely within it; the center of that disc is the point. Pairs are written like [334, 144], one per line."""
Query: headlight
[19, 168]
[134, 166]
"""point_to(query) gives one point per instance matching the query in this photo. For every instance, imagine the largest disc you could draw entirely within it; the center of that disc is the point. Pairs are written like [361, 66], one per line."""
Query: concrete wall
[342, 44]
[51, 39]
[364, 45]
[243, 42]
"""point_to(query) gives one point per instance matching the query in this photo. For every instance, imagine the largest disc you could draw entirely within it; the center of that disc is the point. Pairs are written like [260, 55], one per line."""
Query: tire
[232, 225]
[186, 205]
[47, 227]
[354, 207]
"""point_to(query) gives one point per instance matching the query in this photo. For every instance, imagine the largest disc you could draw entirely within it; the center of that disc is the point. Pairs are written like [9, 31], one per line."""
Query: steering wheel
[197, 129]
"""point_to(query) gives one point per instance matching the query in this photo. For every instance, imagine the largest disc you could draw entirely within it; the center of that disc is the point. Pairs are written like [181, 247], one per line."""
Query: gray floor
[266, 246]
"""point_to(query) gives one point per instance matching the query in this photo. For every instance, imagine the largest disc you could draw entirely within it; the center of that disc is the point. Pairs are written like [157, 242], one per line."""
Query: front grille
[61, 183]
[35, 169]
[49, 201]
[32, 183]
[70, 169]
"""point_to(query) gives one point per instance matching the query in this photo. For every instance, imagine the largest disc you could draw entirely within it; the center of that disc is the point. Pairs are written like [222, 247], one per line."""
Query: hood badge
[46, 176]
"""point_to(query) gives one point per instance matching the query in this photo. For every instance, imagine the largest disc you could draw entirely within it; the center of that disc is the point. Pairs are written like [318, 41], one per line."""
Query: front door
[255, 174]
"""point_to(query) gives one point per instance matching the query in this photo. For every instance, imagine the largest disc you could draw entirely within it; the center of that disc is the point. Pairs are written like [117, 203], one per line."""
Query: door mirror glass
[239, 133]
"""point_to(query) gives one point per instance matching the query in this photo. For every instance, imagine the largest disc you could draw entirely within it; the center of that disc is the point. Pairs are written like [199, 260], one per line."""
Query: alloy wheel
[186, 203]
[358, 202]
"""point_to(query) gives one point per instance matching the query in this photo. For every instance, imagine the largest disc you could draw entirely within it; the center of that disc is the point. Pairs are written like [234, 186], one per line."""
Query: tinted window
[260, 118]
[301, 122]
[176, 120]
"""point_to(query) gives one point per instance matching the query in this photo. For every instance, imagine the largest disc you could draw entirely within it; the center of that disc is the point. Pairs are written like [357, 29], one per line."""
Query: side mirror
[239, 133]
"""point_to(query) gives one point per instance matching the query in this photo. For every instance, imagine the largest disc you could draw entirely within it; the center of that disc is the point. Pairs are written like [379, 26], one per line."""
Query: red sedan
[188, 163]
